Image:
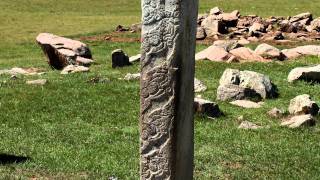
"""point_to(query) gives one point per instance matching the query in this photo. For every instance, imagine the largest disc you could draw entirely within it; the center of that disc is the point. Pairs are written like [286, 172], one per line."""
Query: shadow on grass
[6, 159]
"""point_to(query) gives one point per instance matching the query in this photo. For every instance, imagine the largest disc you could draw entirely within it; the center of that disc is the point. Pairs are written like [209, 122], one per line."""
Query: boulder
[227, 45]
[199, 86]
[246, 104]
[311, 73]
[74, 69]
[119, 59]
[214, 53]
[62, 52]
[303, 104]
[213, 26]
[201, 33]
[238, 85]
[298, 121]
[206, 107]
[269, 52]
[244, 53]
[37, 82]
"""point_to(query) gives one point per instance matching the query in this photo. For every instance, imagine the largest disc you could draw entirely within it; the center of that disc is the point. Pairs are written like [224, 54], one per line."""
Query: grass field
[72, 129]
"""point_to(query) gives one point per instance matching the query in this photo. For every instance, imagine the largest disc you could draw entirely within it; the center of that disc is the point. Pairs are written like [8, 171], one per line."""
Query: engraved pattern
[158, 83]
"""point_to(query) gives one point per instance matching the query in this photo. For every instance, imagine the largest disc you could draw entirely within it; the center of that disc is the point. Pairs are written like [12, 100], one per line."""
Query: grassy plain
[72, 129]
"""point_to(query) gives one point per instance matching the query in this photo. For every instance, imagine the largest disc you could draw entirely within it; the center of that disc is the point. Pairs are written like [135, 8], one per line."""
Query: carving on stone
[159, 41]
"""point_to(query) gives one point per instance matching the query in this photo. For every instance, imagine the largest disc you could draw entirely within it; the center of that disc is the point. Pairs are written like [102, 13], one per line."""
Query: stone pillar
[167, 88]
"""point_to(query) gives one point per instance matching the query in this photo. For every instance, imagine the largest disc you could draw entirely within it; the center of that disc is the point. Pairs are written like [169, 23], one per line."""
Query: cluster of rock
[217, 23]
[233, 51]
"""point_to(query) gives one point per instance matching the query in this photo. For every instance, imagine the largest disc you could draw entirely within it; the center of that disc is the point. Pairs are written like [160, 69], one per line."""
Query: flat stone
[308, 50]
[311, 73]
[227, 45]
[249, 125]
[61, 51]
[135, 58]
[206, 107]
[298, 121]
[214, 53]
[246, 104]
[37, 82]
[303, 104]
[74, 69]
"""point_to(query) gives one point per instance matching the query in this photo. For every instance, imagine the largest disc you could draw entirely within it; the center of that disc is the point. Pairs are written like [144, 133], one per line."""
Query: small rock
[298, 121]
[130, 77]
[276, 113]
[206, 107]
[256, 29]
[249, 125]
[119, 59]
[135, 58]
[269, 52]
[199, 86]
[303, 104]
[305, 73]
[246, 104]
[37, 82]
[74, 69]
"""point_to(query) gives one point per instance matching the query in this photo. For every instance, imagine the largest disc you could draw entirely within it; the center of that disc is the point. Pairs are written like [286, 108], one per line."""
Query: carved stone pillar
[167, 89]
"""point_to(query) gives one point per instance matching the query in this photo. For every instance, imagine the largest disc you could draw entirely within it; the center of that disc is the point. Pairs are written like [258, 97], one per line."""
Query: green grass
[72, 129]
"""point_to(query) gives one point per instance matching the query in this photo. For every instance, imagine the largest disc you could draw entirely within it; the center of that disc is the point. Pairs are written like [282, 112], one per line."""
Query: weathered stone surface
[308, 50]
[135, 58]
[298, 121]
[256, 29]
[311, 73]
[237, 85]
[303, 104]
[201, 33]
[230, 19]
[269, 52]
[247, 54]
[74, 69]
[37, 82]
[167, 89]
[276, 113]
[315, 25]
[291, 54]
[119, 59]
[199, 86]
[249, 125]
[246, 104]
[62, 52]
[306, 17]
[206, 107]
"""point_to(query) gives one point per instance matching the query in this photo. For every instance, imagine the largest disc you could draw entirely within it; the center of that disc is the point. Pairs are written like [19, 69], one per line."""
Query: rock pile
[234, 26]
